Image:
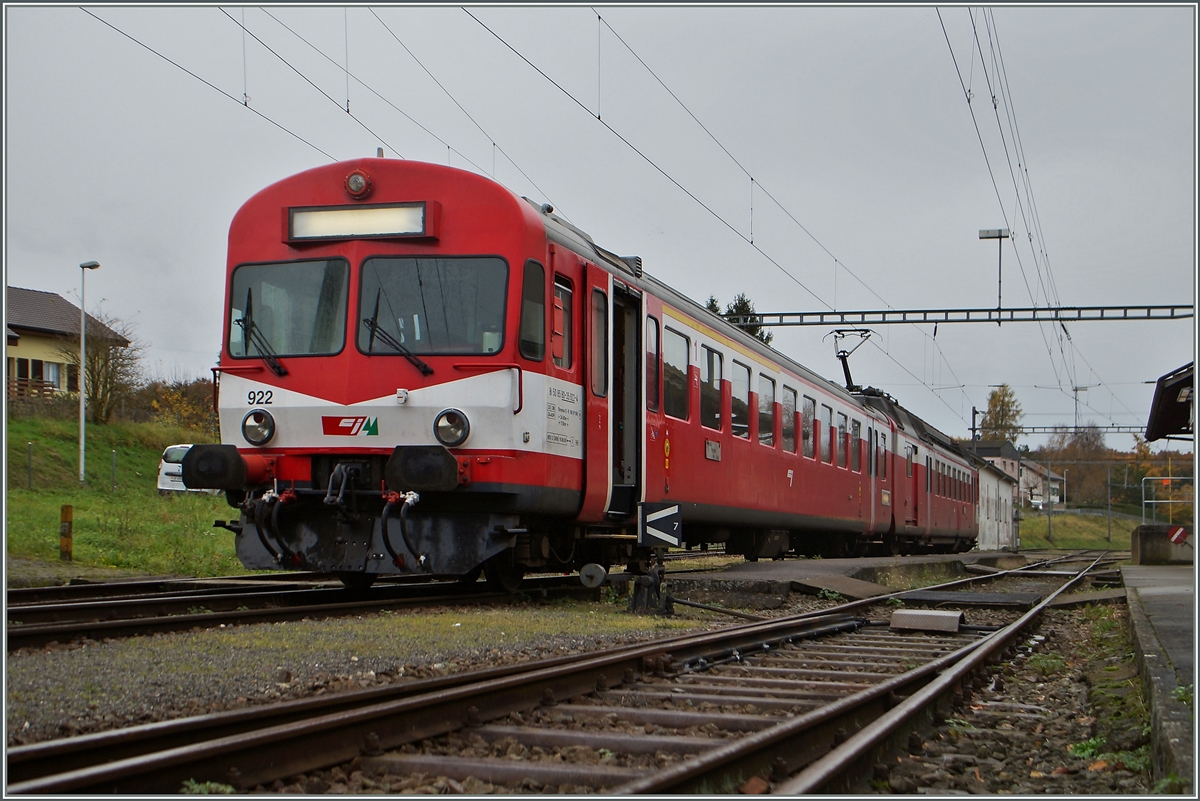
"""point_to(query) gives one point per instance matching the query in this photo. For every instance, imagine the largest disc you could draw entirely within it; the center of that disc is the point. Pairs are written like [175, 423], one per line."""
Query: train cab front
[384, 374]
[410, 511]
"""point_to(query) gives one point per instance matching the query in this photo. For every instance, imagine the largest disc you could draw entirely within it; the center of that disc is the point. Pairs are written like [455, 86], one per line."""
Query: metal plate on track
[927, 619]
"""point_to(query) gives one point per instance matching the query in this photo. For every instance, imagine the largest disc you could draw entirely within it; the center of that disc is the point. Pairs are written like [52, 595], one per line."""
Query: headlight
[451, 428]
[258, 427]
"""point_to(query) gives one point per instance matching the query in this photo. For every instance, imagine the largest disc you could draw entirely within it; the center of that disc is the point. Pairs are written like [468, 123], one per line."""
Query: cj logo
[350, 426]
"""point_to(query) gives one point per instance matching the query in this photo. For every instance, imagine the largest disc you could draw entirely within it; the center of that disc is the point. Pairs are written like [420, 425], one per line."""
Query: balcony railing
[20, 388]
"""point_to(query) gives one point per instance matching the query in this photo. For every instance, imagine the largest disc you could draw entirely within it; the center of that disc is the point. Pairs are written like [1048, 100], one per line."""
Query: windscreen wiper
[389, 340]
[253, 335]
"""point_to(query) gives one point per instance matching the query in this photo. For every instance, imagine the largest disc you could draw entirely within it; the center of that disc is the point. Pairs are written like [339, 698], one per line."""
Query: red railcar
[423, 372]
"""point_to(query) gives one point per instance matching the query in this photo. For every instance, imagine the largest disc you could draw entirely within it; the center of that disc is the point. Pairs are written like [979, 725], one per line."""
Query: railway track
[42, 617]
[771, 701]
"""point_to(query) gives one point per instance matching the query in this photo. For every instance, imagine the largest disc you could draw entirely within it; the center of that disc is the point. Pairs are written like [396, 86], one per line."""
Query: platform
[1162, 603]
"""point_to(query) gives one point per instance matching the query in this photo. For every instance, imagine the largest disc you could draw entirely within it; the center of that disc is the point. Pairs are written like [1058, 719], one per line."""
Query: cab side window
[562, 340]
[533, 312]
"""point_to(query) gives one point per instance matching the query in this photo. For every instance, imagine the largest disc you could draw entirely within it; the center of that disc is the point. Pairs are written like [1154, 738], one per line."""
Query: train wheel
[356, 581]
[501, 574]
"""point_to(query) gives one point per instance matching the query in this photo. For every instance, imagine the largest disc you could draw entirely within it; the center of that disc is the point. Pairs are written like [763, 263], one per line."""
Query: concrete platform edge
[1171, 725]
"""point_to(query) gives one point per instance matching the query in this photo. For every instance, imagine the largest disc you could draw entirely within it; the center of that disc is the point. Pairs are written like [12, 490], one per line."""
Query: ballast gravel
[81, 687]
[1015, 735]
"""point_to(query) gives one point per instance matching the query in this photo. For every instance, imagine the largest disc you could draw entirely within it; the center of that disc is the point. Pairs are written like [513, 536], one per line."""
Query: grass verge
[1075, 531]
[124, 524]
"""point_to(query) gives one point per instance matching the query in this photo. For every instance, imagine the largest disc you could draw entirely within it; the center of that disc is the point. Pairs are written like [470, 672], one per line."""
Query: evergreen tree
[1002, 420]
[740, 306]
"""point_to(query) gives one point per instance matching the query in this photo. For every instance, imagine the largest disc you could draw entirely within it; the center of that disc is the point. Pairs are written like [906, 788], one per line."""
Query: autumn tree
[1002, 420]
[740, 306]
[1083, 453]
[179, 402]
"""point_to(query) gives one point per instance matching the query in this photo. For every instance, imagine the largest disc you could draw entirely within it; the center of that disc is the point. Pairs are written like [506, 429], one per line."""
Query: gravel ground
[1021, 734]
[1065, 716]
[63, 690]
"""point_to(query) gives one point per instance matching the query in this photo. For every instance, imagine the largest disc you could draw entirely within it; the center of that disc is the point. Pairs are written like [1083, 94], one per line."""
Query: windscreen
[449, 305]
[289, 309]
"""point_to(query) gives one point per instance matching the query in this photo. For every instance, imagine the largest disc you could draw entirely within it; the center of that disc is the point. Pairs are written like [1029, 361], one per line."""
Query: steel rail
[48, 757]
[788, 746]
[831, 768]
[40, 761]
[263, 755]
[33, 635]
[166, 586]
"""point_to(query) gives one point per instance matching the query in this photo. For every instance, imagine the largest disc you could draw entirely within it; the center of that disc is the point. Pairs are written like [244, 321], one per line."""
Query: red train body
[423, 372]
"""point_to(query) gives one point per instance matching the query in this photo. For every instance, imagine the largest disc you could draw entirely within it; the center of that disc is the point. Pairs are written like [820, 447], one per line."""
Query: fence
[1179, 492]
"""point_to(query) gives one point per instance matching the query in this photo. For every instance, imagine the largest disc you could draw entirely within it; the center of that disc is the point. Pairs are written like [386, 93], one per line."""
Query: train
[423, 372]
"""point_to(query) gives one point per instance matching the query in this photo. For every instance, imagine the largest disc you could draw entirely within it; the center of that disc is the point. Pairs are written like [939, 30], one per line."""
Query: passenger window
[562, 339]
[807, 416]
[652, 364]
[710, 388]
[675, 374]
[789, 419]
[856, 446]
[741, 401]
[870, 451]
[599, 352]
[766, 411]
[841, 440]
[826, 432]
[883, 454]
[533, 312]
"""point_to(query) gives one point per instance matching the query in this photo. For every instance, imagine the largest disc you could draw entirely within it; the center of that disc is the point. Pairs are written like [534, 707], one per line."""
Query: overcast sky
[870, 182]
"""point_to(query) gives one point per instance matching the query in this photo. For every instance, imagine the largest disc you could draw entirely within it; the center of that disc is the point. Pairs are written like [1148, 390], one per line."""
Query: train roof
[569, 236]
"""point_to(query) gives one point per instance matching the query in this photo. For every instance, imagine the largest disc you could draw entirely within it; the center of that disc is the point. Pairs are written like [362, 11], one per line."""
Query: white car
[170, 471]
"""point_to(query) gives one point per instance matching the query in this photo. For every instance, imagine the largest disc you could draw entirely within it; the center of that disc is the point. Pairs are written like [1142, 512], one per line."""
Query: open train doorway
[626, 406]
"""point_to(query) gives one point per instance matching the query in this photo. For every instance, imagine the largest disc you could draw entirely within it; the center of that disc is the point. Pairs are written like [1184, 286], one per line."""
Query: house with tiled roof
[1034, 484]
[42, 342]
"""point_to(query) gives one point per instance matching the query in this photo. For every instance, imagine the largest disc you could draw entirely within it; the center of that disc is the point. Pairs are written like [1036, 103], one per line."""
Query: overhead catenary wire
[649, 161]
[672, 179]
[307, 80]
[179, 66]
[967, 94]
[453, 99]
[1030, 217]
[1033, 221]
[756, 183]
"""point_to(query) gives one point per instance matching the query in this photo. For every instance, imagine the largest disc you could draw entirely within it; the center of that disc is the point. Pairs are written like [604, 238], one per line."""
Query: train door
[597, 441]
[911, 473]
[625, 400]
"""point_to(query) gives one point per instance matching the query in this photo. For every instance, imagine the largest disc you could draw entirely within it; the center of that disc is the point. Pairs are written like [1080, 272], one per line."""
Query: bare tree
[113, 369]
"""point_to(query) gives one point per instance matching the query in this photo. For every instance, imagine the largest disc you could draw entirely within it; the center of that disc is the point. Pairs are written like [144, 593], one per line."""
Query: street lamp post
[999, 234]
[83, 268]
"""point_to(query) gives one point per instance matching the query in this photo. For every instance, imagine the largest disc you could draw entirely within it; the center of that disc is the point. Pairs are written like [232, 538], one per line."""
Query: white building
[997, 528]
